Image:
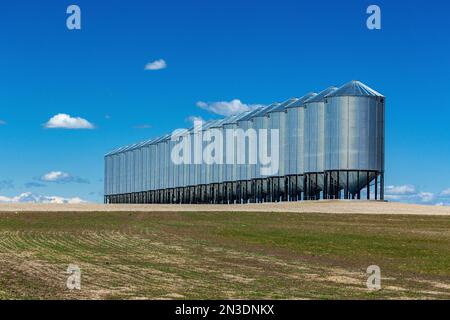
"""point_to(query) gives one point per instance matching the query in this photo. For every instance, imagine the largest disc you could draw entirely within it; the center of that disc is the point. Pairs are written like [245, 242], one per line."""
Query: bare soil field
[329, 206]
[295, 251]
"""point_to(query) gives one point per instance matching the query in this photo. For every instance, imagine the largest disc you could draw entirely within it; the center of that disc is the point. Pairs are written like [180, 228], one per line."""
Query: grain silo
[248, 150]
[232, 182]
[277, 121]
[296, 145]
[354, 134]
[260, 123]
[329, 146]
[314, 143]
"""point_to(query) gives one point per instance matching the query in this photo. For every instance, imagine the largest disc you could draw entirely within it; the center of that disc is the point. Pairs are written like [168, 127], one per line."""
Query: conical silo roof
[166, 138]
[157, 140]
[138, 145]
[283, 105]
[230, 119]
[320, 97]
[129, 147]
[215, 124]
[240, 116]
[235, 118]
[150, 142]
[221, 122]
[355, 88]
[300, 102]
[264, 110]
[116, 151]
[251, 114]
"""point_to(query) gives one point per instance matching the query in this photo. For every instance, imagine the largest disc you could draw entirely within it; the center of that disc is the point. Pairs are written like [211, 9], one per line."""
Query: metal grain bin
[165, 162]
[277, 121]
[295, 128]
[314, 157]
[234, 155]
[227, 169]
[205, 168]
[122, 177]
[217, 167]
[147, 156]
[129, 172]
[245, 123]
[354, 134]
[260, 122]
[186, 166]
[154, 162]
[196, 155]
[108, 174]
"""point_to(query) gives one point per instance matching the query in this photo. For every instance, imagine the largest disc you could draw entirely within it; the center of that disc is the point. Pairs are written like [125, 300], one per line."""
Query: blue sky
[255, 51]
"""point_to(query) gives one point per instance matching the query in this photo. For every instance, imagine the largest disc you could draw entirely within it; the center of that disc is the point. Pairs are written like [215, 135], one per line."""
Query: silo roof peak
[281, 107]
[300, 102]
[262, 112]
[320, 97]
[250, 115]
[355, 88]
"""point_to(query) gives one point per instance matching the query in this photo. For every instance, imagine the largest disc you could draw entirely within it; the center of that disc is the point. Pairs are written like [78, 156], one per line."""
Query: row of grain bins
[328, 145]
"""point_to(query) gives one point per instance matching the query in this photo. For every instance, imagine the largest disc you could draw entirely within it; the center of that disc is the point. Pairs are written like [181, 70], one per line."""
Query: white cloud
[426, 196]
[445, 193]
[411, 194]
[61, 177]
[29, 197]
[156, 65]
[55, 176]
[65, 121]
[401, 190]
[225, 108]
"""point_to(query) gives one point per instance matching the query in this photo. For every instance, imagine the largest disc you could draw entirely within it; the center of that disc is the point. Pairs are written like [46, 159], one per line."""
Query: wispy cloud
[2, 123]
[61, 177]
[411, 194]
[156, 65]
[401, 190]
[65, 121]
[28, 197]
[227, 108]
[426, 197]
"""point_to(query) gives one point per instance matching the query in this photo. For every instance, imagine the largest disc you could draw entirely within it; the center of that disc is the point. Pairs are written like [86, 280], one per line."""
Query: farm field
[222, 255]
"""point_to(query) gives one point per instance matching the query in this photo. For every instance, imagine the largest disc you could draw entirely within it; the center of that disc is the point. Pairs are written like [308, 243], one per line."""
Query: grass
[223, 255]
